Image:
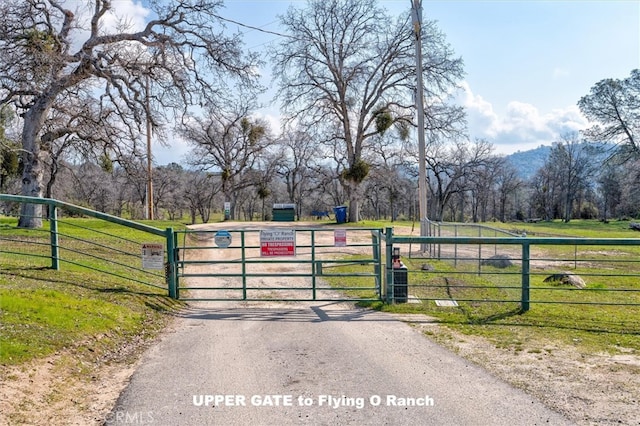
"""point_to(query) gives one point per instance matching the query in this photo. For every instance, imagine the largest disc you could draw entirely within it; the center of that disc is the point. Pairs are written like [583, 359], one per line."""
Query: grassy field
[99, 301]
[488, 303]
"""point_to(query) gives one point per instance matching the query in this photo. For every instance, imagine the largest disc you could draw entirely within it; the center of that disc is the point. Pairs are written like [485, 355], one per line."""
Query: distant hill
[527, 163]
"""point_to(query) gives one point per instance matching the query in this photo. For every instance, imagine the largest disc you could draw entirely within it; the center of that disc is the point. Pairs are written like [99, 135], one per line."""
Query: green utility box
[284, 212]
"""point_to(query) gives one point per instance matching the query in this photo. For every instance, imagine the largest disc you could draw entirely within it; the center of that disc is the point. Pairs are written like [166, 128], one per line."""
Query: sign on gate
[152, 256]
[340, 237]
[222, 239]
[277, 242]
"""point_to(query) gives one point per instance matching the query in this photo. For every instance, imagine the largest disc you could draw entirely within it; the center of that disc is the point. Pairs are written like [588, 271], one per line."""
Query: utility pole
[149, 172]
[416, 18]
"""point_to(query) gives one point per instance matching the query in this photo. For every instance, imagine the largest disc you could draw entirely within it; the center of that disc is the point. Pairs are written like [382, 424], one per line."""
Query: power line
[251, 27]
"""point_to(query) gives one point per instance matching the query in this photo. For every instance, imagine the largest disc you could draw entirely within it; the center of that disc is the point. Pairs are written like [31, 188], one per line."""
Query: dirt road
[314, 363]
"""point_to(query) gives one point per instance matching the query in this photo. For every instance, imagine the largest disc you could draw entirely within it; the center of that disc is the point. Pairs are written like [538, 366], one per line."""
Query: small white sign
[152, 256]
[340, 237]
[222, 239]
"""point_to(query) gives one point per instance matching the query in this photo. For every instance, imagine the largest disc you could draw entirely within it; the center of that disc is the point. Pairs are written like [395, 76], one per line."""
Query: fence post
[526, 253]
[53, 230]
[377, 265]
[479, 252]
[171, 264]
[389, 290]
[313, 263]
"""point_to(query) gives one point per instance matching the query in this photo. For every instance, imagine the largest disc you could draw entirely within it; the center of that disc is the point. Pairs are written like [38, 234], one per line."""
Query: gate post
[53, 230]
[171, 264]
[526, 254]
[377, 257]
[388, 281]
[313, 264]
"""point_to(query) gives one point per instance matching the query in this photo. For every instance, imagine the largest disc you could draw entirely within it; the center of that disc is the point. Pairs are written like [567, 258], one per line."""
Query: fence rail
[116, 253]
[519, 270]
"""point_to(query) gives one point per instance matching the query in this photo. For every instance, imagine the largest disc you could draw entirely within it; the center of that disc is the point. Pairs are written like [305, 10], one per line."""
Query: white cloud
[522, 126]
[559, 73]
[125, 15]
[128, 13]
[175, 151]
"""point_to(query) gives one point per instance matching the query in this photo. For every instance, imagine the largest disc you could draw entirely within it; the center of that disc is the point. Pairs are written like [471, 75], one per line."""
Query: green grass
[579, 318]
[43, 311]
[575, 228]
[347, 277]
[78, 308]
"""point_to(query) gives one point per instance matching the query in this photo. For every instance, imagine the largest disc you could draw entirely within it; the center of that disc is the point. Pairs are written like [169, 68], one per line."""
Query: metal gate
[278, 263]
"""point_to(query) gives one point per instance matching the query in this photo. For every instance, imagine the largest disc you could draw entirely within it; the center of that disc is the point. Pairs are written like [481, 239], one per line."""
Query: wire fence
[73, 237]
[517, 270]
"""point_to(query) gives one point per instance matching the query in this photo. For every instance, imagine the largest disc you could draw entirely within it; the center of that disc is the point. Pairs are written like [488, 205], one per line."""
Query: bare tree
[228, 141]
[349, 69]
[169, 184]
[545, 193]
[299, 157]
[572, 162]
[507, 184]
[48, 55]
[9, 163]
[93, 187]
[614, 105]
[630, 204]
[262, 177]
[450, 169]
[200, 193]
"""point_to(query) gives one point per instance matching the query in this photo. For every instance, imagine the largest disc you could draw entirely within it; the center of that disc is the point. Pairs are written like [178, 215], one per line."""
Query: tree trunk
[354, 200]
[32, 175]
[567, 209]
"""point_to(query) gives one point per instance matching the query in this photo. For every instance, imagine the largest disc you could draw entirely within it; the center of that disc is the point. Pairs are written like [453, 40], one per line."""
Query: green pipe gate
[279, 264]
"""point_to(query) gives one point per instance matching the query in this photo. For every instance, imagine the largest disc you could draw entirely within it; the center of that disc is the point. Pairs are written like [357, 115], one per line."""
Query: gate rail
[240, 271]
[584, 260]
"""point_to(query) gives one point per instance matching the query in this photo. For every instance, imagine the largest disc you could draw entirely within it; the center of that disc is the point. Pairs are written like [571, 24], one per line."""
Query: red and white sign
[277, 242]
[340, 237]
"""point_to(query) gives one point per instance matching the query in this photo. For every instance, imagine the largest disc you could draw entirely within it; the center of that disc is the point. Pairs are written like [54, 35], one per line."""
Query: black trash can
[400, 285]
[341, 214]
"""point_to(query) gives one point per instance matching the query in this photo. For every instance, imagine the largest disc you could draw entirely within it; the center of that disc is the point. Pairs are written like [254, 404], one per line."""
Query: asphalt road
[315, 363]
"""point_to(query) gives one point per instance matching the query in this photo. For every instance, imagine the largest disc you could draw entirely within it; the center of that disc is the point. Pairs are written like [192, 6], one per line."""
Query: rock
[635, 226]
[427, 267]
[498, 261]
[566, 278]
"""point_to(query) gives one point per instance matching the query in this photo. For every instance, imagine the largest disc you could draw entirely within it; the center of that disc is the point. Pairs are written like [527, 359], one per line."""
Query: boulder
[498, 261]
[566, 278]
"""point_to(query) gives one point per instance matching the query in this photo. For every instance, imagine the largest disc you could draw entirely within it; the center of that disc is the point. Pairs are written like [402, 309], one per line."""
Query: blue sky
[527, 63]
